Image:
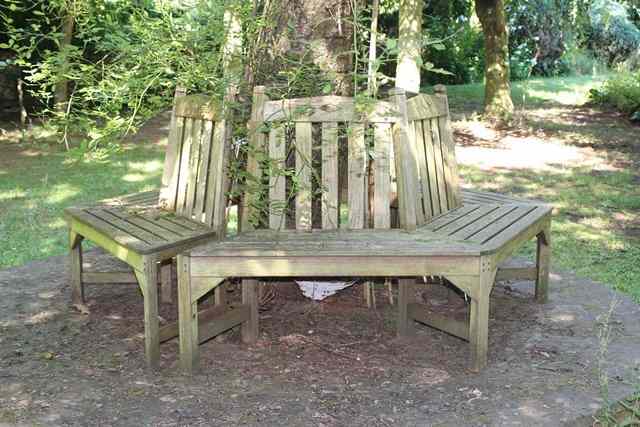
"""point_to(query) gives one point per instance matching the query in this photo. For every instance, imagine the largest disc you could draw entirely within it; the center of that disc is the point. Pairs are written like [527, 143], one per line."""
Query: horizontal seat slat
[146, 223]
[513, 230]
[465, 220]
[444, 219]
[105, 228]
[499, 225]
[481, 223]
[125, 225]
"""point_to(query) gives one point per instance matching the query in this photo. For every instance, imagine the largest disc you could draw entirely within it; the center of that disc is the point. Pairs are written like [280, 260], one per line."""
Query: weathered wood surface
[328, 109]
[148, 228]
[459, 232]
[463, 235]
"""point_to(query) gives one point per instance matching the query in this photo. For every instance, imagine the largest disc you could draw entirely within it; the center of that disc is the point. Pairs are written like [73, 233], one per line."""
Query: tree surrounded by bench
[292, 224]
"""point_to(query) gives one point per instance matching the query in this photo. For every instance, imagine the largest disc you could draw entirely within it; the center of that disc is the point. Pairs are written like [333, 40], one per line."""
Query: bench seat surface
[470, 230]
[136, 222]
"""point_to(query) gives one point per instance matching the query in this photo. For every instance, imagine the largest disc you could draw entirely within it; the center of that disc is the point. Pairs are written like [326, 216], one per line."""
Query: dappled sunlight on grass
[36, 189]
[61, 192]
[535, 92]
[15, 193]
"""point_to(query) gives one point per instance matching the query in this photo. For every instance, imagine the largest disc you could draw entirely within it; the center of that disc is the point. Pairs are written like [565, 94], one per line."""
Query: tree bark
[497, 92]
[372, 83]
[315, 31]
[410, 46]
[61, 95]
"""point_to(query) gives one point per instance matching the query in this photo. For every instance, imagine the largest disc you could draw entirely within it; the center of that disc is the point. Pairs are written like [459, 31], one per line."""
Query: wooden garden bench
[301, 225]
[150, 228]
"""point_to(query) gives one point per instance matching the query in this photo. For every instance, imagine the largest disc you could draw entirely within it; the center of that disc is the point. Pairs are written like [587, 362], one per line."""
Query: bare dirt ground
[326, 364]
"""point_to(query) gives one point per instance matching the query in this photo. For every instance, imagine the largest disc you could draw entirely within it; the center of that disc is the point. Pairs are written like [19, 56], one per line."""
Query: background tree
[497, 92]
[409, 45]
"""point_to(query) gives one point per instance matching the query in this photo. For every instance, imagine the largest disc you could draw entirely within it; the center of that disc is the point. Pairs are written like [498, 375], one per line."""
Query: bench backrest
[194, 182]
[294, 154]
[430, 124]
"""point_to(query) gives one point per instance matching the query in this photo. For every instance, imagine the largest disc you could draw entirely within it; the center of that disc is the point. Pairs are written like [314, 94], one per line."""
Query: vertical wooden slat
[382, 181]
[357, 176]
[303, 172]
[437, 151]
[257, 140]
[406, 165]
[431, 167]
[185, 154]
[169, 191]
[330, 203]
[203, 172]
[448, 159]
[425, 197]
[219, 157]
[172, 155]
[446, 135]
[215, 164]
[277, 181]
[194, 163]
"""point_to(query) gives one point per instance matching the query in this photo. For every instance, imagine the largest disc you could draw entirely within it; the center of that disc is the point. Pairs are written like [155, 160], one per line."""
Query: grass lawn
[596, 229]
[39, 180]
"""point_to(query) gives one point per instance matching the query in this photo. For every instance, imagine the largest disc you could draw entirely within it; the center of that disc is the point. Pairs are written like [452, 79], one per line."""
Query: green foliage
[621, 91]
[614, 35]
[124, 60]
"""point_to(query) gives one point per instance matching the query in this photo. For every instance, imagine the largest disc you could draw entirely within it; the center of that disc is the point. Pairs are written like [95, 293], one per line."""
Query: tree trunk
[410, 46]
[62, 87]
[497, 92]
[317, 32]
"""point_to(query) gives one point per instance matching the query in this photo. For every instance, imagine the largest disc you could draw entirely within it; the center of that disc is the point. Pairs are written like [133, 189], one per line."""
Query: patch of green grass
[528, 93]
[37, 181]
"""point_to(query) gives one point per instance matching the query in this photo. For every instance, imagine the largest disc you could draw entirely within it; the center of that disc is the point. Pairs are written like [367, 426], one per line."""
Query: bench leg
[166, 281]
[249, 329]
[479, 321]
[405, 297]
[187, 318]
[75, 267]
[369, 294]
[148, 282]
[543, 259]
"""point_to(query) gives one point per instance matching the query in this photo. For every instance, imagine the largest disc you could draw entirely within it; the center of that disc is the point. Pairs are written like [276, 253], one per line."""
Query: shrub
[622, 92]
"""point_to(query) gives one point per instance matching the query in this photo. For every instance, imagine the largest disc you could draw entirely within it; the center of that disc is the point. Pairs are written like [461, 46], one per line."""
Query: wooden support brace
[231, 318]
[451, 326]
[517, 273]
